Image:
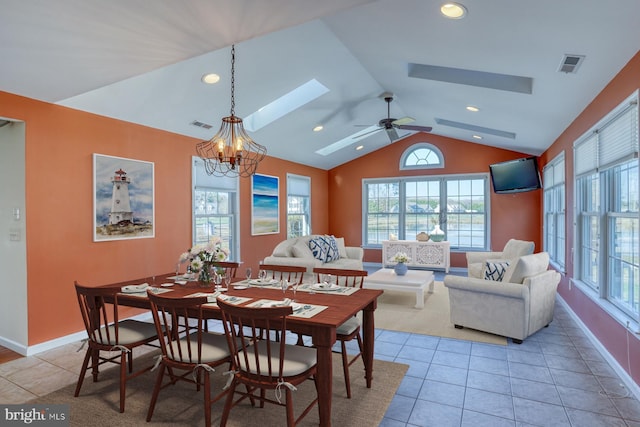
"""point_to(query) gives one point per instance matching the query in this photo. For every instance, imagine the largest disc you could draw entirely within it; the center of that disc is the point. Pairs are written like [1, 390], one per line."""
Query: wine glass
[262, 275]
[284, 284]
[217, 280]
[294, 286]
[227, 279]
[248, 274]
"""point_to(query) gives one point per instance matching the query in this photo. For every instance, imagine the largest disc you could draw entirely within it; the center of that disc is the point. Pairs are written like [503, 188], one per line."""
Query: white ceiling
[141, 61]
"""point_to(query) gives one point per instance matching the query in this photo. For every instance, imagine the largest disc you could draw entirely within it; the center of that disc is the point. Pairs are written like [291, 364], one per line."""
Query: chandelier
[231, 151]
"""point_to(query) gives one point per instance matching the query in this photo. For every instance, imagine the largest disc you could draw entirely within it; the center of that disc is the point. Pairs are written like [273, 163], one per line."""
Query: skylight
[284, 105]
[344, 142]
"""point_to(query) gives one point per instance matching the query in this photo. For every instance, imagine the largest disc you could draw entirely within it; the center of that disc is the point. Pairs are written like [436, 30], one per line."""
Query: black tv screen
[515, 176]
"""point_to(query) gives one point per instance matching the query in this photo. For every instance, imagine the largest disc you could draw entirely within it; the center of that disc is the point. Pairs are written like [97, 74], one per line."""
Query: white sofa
[513, 249]
[516, 307]
[296, 251]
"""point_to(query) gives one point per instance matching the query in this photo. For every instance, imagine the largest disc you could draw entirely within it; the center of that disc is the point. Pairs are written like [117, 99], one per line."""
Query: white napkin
[284, 303]
[135, 288]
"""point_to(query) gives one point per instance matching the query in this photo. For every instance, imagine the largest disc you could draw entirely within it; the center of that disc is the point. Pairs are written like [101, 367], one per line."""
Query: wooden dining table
[321, 327]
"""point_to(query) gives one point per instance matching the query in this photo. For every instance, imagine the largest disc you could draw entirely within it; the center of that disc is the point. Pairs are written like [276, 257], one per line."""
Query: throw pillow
[333, 253]
[342, 249]
[301, 250]
[494, 269]
[318, 248]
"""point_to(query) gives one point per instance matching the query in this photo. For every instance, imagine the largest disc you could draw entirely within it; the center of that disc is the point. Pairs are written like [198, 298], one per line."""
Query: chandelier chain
[233, 79]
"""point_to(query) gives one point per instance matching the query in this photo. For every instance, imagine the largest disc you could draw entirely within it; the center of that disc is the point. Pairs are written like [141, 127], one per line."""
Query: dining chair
[351, 328]
[229, 267]
[107, 333]
[291, 273]
[264, 364]
[196, 353]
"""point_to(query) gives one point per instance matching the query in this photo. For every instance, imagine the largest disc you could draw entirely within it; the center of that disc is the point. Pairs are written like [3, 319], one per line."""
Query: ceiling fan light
[453, 10]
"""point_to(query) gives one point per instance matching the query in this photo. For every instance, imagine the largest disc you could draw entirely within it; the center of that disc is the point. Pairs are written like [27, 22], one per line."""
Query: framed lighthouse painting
[123, 198]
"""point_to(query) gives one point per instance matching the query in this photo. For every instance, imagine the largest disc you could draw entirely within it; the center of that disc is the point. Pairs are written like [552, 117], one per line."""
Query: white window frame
[400, 211]
[229, 185]
[607, 190]
[554, 221]
[422, 162]
[298, 187]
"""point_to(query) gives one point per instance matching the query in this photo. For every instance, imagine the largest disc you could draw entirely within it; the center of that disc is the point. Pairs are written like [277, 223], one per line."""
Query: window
[554, 211]
[607, 208]
[421, 156]
[298, 205]
[407, 206]
[215, 209]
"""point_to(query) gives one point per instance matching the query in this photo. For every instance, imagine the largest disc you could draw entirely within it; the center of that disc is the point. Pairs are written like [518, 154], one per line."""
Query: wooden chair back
[291, 273]
[347, 278]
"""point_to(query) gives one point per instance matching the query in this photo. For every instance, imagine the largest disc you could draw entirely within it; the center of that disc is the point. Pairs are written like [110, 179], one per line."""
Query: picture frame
[123, 198]
[265, 205]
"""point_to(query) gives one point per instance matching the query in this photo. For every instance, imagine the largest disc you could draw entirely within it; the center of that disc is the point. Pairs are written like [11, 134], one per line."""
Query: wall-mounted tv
[515, 176]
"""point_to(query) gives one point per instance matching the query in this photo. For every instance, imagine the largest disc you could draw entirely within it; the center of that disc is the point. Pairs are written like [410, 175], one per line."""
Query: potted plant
[401, 258]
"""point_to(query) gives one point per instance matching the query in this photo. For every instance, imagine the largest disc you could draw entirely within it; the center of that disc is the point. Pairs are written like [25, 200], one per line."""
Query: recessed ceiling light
[210, 78]
[453, 10]
[359, 147]
[473, 108]
[477, 136]
[318, 128]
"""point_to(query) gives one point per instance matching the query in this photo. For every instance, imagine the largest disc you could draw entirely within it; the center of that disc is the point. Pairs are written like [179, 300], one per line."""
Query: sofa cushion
[494, 269]
[301, 250]
[526, 266]
[284, 248]
[517, 248]
[333, 253]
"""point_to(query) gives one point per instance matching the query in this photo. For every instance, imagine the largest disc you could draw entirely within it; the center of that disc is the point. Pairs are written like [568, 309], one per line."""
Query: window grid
[213, 216]
[298, 205]
[405, 207]
[554, 211]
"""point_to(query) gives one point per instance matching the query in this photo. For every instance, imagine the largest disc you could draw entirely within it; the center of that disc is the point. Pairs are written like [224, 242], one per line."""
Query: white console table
[423, 254]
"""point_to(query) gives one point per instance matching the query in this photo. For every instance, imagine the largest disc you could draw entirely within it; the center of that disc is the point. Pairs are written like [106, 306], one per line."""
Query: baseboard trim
[624, 376]
[57, 342]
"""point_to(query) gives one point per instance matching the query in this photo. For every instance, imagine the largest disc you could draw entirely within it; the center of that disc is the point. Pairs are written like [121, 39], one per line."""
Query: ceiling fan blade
[415, 128]
[361, 135]
[392, 134]
[403, 121]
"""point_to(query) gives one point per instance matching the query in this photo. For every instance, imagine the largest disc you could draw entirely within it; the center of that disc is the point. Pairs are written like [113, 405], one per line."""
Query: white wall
[13, 249]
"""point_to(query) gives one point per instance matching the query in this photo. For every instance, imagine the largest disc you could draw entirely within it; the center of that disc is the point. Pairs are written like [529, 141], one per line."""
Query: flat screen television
[515, 176]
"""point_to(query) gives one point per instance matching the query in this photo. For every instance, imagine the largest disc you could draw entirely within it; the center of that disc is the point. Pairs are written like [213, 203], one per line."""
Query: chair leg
[345, 368]
[130, 360]
[123, 378]
[291, 421]
[156, 391]
[207, 398]
[95, 363]
[83, 371]
[227, 405]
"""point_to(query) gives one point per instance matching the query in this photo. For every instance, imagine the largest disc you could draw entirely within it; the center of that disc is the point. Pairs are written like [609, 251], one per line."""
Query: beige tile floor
[29, 377]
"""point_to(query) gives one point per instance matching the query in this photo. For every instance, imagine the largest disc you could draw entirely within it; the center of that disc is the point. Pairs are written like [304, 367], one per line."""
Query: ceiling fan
[390, 124]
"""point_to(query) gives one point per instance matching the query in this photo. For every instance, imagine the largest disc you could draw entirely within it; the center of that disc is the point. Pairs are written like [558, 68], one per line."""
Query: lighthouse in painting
[120, 206]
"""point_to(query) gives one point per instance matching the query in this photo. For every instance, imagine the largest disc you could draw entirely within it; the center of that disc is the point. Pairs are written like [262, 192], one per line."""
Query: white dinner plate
[134, 289]
[240, 287]
[167, 285]
[260, 282]
[325, 287]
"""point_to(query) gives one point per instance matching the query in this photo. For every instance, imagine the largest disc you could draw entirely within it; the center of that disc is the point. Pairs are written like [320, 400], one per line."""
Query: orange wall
[512, 215]
[60, 143]
[612, 335]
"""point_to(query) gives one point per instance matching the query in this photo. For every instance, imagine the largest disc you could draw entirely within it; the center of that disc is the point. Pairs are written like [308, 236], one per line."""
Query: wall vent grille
[571, 63]
[201, 124]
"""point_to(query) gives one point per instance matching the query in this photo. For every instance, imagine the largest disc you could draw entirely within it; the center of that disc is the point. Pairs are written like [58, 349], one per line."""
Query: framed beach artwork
[265, 212]
[123, 198]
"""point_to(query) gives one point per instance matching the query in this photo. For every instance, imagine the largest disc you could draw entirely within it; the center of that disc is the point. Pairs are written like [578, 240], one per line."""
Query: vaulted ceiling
[142, 61]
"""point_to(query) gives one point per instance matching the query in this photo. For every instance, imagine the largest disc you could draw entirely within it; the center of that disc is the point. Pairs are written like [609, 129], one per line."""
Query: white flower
[205, 255]
[401, 257]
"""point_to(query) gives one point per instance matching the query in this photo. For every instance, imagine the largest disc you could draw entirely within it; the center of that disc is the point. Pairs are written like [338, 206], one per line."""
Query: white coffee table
[414, 281]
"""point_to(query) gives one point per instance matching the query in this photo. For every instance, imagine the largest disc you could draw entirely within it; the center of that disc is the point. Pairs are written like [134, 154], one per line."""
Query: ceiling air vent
[201, 124]
[571, 63]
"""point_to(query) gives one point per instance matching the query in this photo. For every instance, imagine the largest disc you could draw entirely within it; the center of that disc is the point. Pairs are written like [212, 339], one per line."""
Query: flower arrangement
[401, 257]
[203, 257]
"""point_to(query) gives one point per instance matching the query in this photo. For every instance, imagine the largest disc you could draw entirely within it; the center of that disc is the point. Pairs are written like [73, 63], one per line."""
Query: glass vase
[401, 268]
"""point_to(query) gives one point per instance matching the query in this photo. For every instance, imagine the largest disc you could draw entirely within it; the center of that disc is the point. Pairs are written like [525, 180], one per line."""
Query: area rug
[182, 405]
[396, 312]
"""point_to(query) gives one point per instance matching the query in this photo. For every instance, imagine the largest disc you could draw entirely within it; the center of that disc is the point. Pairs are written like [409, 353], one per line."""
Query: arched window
[422, 156]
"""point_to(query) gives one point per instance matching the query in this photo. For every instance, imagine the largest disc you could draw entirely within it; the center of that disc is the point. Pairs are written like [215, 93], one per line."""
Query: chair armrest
[475, 257]
[471, 284]
[354, 252]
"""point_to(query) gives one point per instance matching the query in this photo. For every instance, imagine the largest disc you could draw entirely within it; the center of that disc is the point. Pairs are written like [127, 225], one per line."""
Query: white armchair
[512, 250]
[516, 307]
